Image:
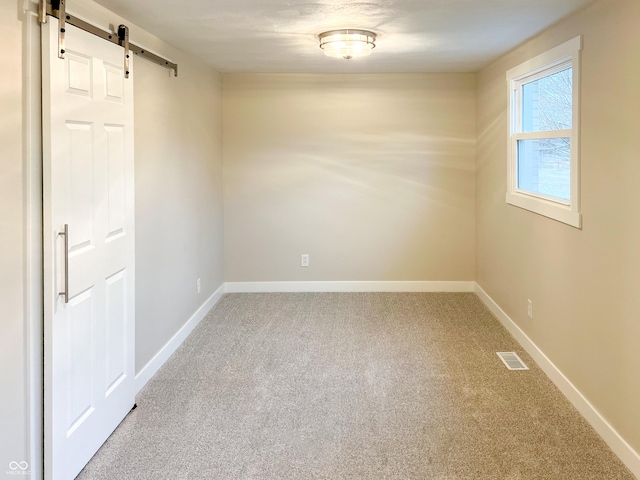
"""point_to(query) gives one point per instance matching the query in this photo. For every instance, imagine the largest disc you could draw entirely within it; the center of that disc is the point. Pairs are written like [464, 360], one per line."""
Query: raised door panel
[80, 324]
[117, 334]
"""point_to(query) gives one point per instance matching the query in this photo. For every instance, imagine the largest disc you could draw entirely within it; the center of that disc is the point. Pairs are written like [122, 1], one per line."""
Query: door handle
[65, 233]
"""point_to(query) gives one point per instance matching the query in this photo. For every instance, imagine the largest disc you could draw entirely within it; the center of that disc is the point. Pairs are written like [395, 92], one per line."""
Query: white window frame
[559, 58]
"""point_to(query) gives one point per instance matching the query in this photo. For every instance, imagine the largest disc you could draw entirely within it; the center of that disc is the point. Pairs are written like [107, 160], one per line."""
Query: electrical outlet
[198, 286]
[530, 308]
[304, 260]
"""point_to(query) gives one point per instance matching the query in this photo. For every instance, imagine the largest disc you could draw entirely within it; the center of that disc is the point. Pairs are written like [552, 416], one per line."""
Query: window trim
[566, 55]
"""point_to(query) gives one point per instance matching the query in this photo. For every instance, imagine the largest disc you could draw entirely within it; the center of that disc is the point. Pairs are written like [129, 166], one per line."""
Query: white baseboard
[150, 369]
[294, 287]
[619, 445]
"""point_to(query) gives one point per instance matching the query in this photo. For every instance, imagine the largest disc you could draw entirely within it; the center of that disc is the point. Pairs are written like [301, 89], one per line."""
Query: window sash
[564, 133]
[517, 85]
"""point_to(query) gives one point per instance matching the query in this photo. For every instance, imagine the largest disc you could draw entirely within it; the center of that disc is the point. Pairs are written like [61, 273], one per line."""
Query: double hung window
[544, 134]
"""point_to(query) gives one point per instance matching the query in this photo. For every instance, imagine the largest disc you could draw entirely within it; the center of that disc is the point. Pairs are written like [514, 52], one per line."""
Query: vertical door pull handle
[65, 233]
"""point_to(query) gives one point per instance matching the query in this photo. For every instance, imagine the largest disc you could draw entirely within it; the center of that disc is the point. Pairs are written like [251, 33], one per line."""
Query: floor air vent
[512, 361]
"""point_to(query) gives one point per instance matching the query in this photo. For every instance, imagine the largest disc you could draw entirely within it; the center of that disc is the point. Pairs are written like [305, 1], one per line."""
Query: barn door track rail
[57, 9]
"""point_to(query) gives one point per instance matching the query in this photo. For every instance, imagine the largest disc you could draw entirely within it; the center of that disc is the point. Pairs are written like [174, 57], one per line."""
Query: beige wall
[178, 135]
[178, 167]
[584, 283]
[372, 175]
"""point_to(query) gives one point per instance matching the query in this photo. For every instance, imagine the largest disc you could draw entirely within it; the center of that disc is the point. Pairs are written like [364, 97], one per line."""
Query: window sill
[555, 211]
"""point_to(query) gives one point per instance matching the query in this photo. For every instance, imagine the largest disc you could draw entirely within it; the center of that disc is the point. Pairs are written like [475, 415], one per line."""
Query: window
[543, 134]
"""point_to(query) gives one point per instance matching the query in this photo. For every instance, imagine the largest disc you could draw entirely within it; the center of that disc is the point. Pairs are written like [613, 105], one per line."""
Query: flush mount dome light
[347, 43]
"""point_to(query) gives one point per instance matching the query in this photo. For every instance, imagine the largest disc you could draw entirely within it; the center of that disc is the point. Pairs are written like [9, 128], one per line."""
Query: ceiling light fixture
[347, 43]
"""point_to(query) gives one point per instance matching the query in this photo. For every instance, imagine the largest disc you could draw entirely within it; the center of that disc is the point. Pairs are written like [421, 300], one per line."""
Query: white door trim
[33, 292]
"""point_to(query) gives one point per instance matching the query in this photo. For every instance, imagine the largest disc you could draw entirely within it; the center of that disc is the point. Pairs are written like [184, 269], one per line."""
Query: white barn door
[88, 186]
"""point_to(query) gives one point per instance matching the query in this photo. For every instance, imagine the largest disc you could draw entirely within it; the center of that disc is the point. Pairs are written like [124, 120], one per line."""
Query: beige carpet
[351, 386]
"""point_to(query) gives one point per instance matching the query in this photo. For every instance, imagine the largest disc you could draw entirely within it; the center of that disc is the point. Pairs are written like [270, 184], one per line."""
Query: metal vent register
[512, 361]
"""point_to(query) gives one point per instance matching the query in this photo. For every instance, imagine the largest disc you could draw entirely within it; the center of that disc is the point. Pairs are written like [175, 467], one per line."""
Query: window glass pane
[544, 167]
[546, 103]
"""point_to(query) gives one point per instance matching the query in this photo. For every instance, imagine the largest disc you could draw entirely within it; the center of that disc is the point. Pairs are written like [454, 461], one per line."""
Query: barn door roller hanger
[57, 9]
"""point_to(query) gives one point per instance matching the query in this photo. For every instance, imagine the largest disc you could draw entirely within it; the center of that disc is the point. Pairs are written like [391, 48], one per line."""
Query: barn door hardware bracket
[123, 36]
[57, 9]
[62, 26]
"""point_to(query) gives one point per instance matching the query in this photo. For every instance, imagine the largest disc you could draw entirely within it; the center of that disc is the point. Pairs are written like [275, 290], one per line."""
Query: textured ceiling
[281, 35]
